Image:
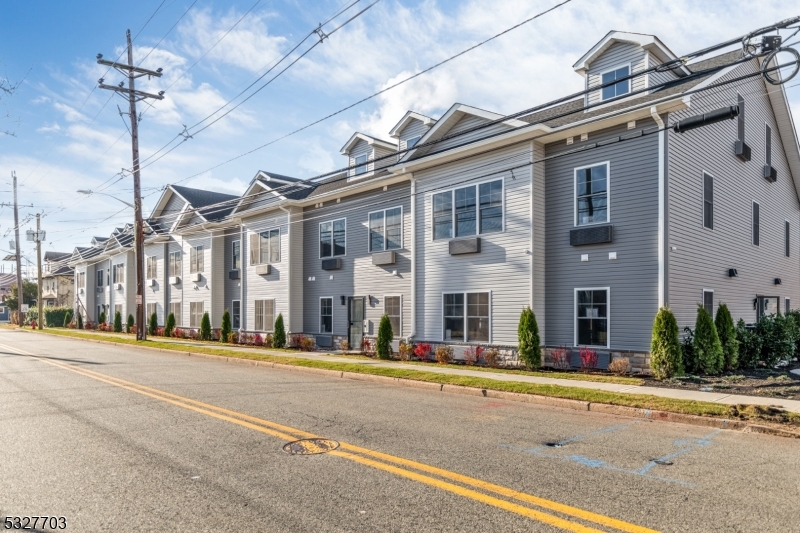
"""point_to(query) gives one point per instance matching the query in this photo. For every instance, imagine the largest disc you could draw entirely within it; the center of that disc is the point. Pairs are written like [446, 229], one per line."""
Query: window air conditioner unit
[197, 276]
[174, 280]
[742, 151]
[263, 270]
[151, 282]
[233, 274]
[770, 174]
[99, 289]
[118, 286]
[332, 264]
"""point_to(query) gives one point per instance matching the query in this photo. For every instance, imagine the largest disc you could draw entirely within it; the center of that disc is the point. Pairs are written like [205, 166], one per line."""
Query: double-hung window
[619, 88]
[118, 309]
[410, 143]
[119, 273]
[361, 165]
[332, 238]
[100, 278]
[151, 267]
[264, 315]
[236, 313]
[151, 309]
[81, 281]
[236, 255]
[386, 230]
[326, 315]
[466, 316]
[591, 317]
[756, 224]
[391, 308]
[472, 210]
[708, 201]
[708, 301]
[196, 259]
[195, 314]
[591, 194]
[265, 247]
[786, 240]
[175, 264]
[175, 310]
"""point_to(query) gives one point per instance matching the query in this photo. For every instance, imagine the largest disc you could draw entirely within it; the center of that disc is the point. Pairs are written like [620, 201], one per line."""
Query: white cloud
[49, 128]
[315, 158]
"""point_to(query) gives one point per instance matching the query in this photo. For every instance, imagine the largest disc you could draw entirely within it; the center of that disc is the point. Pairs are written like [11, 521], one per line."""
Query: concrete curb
[578, 405]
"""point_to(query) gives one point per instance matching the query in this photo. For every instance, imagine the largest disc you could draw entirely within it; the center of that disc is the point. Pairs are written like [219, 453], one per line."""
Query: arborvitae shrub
[152, 327]
[707, 347]
[385, 337]
[279, 336]
[205, 327]
[666, 357]
[118, 322]
[130, 324]
[530, 350]
[169, 327]
[102, 318]
[225, 330]
[727, 337]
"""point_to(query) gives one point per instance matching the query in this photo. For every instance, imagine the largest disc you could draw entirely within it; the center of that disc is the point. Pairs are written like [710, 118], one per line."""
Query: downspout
[662, 300]
[289, 270]
[241, 275]
[413, 258]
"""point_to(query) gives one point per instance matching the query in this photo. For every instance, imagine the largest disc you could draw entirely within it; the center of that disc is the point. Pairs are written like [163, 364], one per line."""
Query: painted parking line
[379, 460]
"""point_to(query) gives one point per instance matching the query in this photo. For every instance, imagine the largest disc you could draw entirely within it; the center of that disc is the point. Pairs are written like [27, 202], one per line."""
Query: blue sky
[69, 136]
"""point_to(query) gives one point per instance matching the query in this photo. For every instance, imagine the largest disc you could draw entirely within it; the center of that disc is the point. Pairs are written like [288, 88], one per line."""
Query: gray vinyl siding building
[155, 292]
[616, 56]
[699, 258]
[632, 278]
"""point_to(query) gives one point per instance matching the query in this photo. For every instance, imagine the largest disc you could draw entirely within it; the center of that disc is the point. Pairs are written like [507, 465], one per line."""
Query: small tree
[707, 348]
[152, 327]
[169, 327]
[102, 318]
[665, 349]
[117, 322]
[279, 337]
[80, 321]
[205, 328]
[226, 326]
[67, 319]
[129, 325]
[749, 345]
[530, 350]
[385, 337]
[727, 337]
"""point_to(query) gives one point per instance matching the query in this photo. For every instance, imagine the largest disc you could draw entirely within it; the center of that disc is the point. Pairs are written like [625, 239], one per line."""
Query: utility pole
[132, 72]
[39, 239]
[20, 292]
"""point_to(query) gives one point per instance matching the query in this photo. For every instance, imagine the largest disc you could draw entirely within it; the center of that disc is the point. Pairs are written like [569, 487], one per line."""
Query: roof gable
[372, 141]
[651, 43]
[409, 117]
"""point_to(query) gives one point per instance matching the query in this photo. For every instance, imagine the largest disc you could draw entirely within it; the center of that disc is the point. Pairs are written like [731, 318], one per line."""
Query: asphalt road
[121, 439]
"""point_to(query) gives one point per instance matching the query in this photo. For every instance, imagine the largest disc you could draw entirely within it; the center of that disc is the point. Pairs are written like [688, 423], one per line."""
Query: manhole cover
[310, 446]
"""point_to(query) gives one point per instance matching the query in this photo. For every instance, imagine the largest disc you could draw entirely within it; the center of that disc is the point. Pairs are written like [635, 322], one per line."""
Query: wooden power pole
[132, 72]
[18, 252]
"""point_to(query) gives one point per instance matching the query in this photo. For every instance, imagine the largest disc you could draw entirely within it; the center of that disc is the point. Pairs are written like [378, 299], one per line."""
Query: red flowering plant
[588, 358]
[423, 350]
[258, 340]
[561, 358]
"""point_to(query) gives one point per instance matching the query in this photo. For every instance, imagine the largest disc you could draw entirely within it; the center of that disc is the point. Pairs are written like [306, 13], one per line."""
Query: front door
[356, 317]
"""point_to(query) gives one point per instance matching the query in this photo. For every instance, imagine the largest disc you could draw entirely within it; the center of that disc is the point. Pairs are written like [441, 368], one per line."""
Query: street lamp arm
[89, 192]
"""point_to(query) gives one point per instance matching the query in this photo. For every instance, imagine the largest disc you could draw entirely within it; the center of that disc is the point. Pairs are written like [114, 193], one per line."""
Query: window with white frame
[174, 264]
[151, 267]
[326, 315]
[264, 315]
[708, 301]
[118, 309]
[175, 310]
[265, 247]
[196, 259]
[236, 255]
[708, 201]
[787, 305]
[591, 194]
[619, 88]
[151, 310]
[410, 143]
[81, 280]
[195, 314]
[119, 273]
[786, 240]
[386, 229]
[591, 317]
[466, 316]
[361, 165]
[332, 238]
[236, 313]
[391, 308]
[100, 278]
[465, 211]
[756, 224]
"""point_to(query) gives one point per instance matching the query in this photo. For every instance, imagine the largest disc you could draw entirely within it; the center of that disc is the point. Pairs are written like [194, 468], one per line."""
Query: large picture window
[264, 315]
[466, 211]
[391, 308]
[265, 247]
[619, 88]
[591, 194]
[386, 230]
[195, 259]
[332, 238]
[326, 315]
[591, 306]
[466, 316]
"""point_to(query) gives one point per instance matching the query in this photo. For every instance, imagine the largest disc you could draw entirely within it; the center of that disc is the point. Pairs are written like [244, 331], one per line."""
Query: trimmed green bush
[687, 350]
[529, 347]
[53, 317]
[707, 347]
[225, 330]
[778, 334]
[666, 357]
[205, 328]
[169, 327]
[117, 322]
[727, 337]
[795, 316]
[80, 321]
[279, 335]
[152, 327]
[749, 345]
[385, 337]
[129, 324]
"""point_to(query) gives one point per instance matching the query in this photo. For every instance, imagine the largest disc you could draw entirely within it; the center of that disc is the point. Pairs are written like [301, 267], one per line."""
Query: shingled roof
[199, 198]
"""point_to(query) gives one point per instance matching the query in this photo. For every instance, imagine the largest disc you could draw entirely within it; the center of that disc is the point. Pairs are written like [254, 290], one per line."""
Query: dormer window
[619, 88]
[413, 141]
[361, 164]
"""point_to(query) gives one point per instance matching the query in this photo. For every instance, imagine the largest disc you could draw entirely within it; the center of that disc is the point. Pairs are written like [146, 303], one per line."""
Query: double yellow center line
[412, 470]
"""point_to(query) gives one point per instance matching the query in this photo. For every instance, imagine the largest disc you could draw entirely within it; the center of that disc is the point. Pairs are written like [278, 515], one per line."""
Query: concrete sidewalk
[714, 397]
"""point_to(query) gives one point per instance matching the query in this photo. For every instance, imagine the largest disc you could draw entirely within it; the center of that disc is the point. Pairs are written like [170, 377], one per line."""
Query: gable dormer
[620, 54]
[362, 150]
[410, 129]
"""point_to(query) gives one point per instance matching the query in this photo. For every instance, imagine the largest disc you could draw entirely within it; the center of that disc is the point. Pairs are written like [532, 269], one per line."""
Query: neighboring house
[6, 281]
[593, 212]
[58, 280]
